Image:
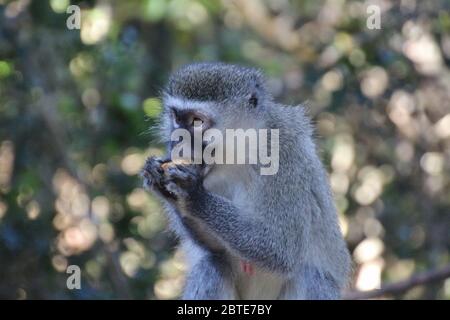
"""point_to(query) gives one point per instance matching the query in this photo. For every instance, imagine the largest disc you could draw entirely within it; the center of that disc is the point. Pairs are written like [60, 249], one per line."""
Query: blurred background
[76, 105]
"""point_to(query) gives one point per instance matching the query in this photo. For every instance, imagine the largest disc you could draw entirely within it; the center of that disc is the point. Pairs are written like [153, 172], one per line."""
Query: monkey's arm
[269, 245]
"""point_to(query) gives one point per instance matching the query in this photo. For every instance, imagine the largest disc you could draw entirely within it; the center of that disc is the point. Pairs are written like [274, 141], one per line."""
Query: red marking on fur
[247, 268]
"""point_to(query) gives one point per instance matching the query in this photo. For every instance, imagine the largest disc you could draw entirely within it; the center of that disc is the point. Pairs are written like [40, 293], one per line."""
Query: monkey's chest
[234, 182]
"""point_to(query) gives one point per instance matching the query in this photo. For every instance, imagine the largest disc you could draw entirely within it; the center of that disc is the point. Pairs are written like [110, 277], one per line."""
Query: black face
[188, 119]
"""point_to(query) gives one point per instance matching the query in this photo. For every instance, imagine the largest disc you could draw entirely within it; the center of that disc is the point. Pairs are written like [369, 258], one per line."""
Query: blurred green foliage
[76, 107]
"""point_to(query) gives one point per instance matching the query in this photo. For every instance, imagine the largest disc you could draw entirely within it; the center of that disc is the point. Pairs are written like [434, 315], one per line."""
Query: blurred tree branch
[402, 286]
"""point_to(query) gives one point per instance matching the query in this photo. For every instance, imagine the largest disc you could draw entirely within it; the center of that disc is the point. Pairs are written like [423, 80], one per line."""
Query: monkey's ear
[253, 100]
[255, 94]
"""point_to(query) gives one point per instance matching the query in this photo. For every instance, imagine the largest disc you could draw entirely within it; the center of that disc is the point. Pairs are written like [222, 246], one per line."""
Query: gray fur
[214, 82]
[285, 224]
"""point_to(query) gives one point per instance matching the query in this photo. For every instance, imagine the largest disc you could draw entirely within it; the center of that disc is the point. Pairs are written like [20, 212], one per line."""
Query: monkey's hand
[181, 181]
[173, 183]
[154, 178]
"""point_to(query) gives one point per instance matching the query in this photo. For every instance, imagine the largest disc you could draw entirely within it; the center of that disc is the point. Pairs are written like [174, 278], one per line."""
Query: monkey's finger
[175, 190]
[183, 173]
[152, 170]
[153, 162]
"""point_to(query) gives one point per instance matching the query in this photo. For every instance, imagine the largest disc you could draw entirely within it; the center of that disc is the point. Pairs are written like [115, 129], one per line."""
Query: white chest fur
[260, 285]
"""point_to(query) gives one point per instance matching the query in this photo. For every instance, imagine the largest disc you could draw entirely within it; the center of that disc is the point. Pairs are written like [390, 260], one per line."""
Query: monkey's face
[197, 131]
[212, 96]
[184, 123]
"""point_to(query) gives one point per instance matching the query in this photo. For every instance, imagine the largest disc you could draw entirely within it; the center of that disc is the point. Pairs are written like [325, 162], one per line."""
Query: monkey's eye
[253, 100]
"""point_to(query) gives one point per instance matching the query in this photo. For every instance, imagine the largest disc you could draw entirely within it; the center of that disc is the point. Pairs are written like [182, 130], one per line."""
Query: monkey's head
[217, 95]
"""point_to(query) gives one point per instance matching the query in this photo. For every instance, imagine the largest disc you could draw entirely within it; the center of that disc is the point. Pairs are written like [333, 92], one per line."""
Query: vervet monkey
[248, 235]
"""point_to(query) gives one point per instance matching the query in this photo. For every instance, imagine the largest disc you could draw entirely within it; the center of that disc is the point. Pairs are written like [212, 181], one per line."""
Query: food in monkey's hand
[173, 163]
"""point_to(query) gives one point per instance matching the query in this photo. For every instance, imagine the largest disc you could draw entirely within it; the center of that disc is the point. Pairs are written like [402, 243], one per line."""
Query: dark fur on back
[214, 82]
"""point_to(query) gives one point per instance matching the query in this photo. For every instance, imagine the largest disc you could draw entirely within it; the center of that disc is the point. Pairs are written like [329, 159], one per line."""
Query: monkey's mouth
[189, 159]
[168, 162]
[173, 144]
